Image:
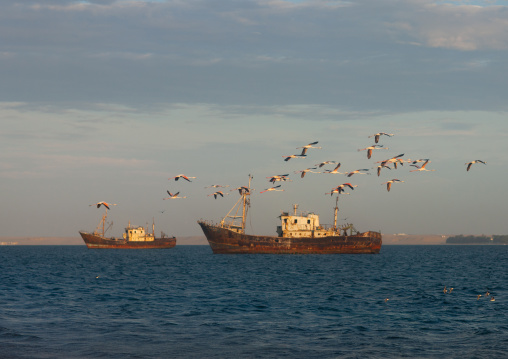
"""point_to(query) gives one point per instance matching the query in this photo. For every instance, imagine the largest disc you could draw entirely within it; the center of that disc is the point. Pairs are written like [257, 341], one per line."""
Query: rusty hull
[96, 241]
[225, 241]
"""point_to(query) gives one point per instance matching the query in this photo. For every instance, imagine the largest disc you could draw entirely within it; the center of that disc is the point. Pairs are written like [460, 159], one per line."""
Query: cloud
[358, 55]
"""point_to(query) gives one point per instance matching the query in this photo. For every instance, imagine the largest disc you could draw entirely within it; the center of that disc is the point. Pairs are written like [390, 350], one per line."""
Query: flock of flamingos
[419, 165]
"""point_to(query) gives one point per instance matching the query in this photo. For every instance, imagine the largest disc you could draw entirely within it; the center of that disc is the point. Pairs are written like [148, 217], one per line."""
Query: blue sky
[105, 100]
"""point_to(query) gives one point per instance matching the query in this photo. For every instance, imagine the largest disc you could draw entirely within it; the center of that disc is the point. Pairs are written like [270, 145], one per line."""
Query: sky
[105, 100]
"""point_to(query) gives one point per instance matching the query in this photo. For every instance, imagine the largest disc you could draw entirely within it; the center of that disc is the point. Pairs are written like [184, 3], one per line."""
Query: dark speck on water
[185, 302]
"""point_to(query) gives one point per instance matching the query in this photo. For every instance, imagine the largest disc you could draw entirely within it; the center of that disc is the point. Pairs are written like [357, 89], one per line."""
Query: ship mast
[245, 201]
[246, 204]
[102, 224]
[335, 213]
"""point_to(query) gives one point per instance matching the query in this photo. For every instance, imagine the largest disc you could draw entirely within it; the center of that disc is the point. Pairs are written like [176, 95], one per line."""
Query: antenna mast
[335, 212]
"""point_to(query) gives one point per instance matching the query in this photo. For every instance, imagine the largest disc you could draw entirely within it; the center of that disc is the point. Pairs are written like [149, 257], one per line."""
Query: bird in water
[176, 178]
[173, 195]
[421, 168]
[306, 147]
[370, 148]
[377, 135]
[469, 164]
[389, 183]
[276, 188]
[218, 193]
[478, 297]
[105, 204]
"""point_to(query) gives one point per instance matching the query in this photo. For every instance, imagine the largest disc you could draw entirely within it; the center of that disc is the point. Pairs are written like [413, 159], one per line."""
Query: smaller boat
[134, 237]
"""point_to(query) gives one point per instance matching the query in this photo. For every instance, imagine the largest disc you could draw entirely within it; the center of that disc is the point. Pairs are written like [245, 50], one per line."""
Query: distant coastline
[388, 239]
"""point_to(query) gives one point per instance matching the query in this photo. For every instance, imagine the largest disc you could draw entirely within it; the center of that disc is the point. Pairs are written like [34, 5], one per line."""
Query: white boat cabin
[137, 234]
[301, 226]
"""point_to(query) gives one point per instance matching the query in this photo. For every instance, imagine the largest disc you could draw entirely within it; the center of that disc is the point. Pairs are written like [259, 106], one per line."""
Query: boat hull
[95, 241]
[225, 241]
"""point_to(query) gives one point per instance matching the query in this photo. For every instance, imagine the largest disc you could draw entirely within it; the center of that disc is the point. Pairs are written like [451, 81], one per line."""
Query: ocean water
[185, 302]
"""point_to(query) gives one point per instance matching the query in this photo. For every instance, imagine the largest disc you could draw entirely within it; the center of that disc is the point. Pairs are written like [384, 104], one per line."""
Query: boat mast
[102, 223]
[246, 204]
[335, 212]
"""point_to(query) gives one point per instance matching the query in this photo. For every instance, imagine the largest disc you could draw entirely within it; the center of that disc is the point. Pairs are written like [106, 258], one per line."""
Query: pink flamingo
[218, 193]
[324, 163]
[334, 171]
[422, 167]
[370, 148]
[276, 178]
[349, 174]
[377, 135]
[105, 204]
[173, 196]
[389, 183]
[303, 172]
[287, 158]
[181, 176]
[306, 147]
[469, 164]
[272, 189]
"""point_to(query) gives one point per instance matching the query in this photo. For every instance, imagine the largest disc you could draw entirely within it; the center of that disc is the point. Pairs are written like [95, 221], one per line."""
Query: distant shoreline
[388, 239]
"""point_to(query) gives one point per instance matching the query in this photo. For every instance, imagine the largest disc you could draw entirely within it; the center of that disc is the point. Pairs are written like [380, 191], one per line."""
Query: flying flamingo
[421, 168]
[287, 158]
[338, 191]
[393, 160]
[242, 190]
[349, 174]
[303, 172]
[217, 186]
[306, 147]
[105, 204]
[181, 176]
[218, 193]
[173, 195]
[377, 135]
[389, 183]
[469, 164]
[272, 189]
[334, 171]
[276, 178]
[340, 188]
[324, 163]
[370, 148]
[417, 161]
[381, 167]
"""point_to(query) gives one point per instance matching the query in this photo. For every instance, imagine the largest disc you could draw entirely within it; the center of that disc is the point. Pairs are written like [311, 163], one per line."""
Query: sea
[186, 302]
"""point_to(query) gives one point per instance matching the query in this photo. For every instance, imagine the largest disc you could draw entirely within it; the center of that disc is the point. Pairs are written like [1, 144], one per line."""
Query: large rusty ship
[134, 237]
[298, 234]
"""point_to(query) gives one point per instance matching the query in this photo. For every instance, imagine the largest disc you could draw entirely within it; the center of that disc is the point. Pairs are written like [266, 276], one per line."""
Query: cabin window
[296, 221]
[308, 221]
[285, 220]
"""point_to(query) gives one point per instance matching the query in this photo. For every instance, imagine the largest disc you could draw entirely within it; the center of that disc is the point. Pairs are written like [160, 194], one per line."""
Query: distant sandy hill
[413, 239]
[388, 239]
